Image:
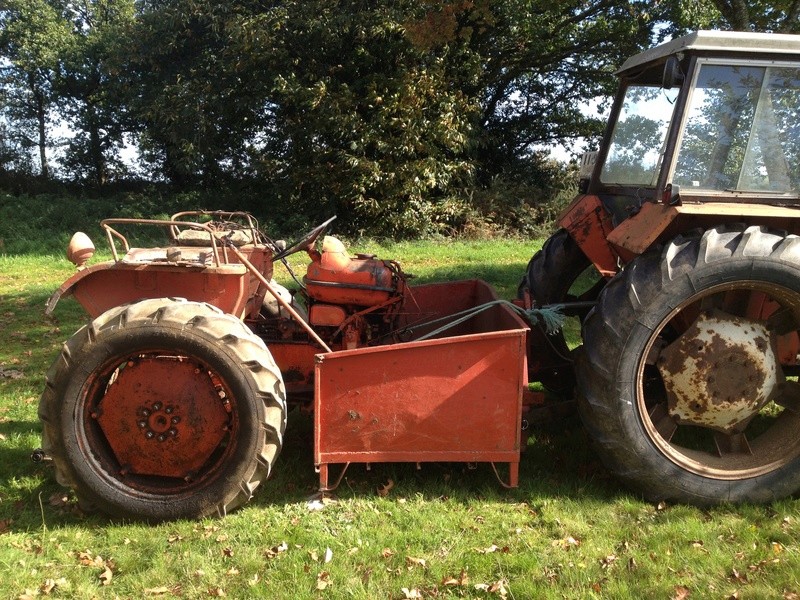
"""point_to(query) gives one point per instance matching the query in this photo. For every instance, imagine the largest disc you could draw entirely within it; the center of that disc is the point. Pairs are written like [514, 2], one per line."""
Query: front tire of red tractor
[550, 278]
[683, 439]
[163, 409]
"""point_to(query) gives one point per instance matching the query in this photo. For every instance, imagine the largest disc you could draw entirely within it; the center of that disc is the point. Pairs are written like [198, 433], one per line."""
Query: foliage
[780, 16]
[90, 98]
[33, 37]
[405, 118]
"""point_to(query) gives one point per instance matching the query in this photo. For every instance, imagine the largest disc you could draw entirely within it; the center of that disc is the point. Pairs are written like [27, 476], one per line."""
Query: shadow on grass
[557, 462]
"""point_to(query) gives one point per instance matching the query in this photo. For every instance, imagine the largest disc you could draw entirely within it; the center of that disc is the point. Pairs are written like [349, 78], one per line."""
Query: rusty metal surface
[106, 285]
[296, 363]
[588, 223]
[636, 234]
[456, 398]
[162, 416]
[720, 372]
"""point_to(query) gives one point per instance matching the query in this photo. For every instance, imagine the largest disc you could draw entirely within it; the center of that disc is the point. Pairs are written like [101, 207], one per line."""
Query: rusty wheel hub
[163, 416]
[720, 372]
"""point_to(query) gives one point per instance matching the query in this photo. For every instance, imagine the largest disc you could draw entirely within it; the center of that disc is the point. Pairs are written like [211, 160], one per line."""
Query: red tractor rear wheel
[689, 365]
[163, 409]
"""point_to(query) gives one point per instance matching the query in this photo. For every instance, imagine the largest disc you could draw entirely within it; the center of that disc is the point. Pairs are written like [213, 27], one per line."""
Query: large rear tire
[163, 409]
[675, 369]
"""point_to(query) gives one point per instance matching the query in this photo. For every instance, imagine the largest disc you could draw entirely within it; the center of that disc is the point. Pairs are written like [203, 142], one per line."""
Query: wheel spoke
[782, 321]
[665, 425]
[789, 396]
[733, 443]
[654, 352]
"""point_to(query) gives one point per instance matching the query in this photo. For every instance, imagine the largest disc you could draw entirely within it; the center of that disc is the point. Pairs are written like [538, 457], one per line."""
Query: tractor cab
[704, 129]
[709, 117]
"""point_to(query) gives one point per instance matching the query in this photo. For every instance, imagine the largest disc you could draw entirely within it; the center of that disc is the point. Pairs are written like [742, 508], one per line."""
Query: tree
[777, 16]
[193, 107]
[364, 123]
[91, 97]
[534, 66]
[32, 38]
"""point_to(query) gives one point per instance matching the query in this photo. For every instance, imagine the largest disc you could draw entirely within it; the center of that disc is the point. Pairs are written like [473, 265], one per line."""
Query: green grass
[568, 531]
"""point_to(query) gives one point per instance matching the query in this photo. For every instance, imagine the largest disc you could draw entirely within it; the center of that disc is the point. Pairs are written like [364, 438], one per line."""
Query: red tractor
[172, 402]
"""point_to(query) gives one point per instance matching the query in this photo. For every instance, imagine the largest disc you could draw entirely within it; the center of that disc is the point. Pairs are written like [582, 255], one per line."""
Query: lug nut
[149, 435]
[157, 406]
[175, 420]
[145, 412]
[162, 437]
[142, 424]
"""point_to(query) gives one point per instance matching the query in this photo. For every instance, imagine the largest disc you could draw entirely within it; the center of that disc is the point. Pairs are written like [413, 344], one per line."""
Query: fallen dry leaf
[384, 490]
[461, 580]
[489, 550]
[411, 594]
[48, 586]
[387, 553]
[328, 555]
[156, 591]
[216, 591]
[499, 587]
[275, 550]
[737, 576]
[88, 560]
[681, 593]
[323, 580]
[106, 575]
[412, 562]
[608, 561]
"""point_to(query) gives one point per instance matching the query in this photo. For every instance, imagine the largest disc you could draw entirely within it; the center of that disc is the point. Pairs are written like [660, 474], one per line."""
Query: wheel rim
[157, 422]
[756, 435]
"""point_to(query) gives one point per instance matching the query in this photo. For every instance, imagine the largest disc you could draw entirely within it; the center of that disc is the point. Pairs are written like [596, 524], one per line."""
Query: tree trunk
[96, 156]
[735, 12]
[41, 125]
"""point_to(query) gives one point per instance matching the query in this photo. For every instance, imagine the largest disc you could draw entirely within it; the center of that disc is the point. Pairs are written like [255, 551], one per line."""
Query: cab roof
[718, 42]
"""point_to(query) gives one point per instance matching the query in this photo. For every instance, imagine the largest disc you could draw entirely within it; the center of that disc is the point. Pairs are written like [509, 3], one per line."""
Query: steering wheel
[304, 242]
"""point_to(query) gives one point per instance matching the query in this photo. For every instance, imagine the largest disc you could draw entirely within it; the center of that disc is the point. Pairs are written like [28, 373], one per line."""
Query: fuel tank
[337, 278]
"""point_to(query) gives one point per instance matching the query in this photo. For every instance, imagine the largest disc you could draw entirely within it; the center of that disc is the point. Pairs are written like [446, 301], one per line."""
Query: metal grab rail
[112, 233]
